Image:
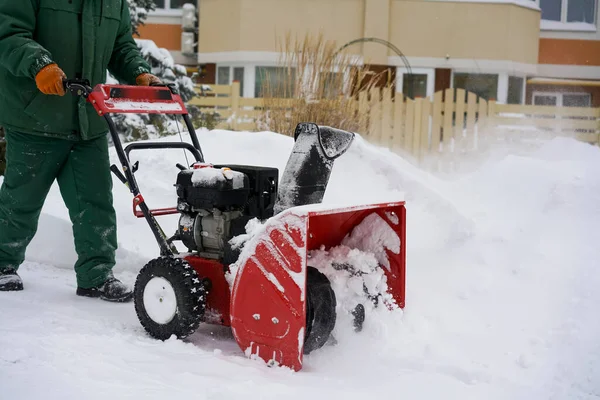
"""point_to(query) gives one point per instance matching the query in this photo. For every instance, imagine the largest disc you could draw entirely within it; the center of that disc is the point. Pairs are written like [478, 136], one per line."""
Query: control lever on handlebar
[78, 87]
[172, 87]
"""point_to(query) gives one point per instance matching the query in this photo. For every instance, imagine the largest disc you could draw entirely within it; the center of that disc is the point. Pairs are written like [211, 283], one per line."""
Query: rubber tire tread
[189, 291]
[320, 310]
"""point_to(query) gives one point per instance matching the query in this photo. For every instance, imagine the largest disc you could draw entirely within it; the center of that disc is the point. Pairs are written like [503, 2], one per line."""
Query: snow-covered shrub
[133, 127]
[138, 11]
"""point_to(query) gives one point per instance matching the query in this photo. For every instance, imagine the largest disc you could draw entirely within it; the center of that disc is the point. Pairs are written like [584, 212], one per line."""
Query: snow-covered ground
[502, 292]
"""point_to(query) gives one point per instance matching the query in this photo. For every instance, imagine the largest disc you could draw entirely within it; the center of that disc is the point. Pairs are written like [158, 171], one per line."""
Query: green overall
[60, 138]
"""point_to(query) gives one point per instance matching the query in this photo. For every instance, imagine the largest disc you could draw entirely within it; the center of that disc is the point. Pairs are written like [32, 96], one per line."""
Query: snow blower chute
[261, 282]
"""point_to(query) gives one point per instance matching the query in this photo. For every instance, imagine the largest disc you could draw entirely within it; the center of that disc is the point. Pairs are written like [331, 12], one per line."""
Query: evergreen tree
[144, 126]
[138, 10]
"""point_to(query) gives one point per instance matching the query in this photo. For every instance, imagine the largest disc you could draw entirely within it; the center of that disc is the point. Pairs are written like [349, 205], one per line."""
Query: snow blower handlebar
[155, 99]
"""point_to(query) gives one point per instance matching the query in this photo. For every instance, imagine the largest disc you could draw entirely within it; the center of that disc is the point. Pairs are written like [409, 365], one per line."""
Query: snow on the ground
[502, 291]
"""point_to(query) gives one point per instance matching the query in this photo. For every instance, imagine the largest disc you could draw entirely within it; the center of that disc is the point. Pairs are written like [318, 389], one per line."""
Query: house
[544, 52]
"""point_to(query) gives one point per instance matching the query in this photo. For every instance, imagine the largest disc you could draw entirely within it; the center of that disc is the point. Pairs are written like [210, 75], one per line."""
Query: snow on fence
[445, 126]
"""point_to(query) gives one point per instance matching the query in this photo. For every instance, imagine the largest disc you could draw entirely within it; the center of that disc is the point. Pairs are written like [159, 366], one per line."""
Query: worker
[51, 136]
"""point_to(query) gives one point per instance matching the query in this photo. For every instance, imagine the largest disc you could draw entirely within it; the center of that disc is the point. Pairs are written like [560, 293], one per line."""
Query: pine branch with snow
[138, 12]
[133, 127]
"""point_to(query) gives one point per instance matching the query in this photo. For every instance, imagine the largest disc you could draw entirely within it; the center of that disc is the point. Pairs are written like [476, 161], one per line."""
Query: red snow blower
[260, 282]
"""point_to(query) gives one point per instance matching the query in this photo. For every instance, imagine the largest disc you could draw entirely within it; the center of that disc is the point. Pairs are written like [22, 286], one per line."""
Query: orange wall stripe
[165, 36]
[569, 52]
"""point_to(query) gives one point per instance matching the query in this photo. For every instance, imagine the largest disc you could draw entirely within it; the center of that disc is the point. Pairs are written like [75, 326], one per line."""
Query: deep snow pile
[501, 291]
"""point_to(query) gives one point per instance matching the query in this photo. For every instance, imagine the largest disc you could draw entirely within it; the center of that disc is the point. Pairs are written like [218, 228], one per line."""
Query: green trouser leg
[32, 165]
[82, 170]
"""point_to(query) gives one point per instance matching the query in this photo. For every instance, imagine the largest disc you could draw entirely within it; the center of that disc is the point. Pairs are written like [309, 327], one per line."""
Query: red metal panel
[268, 310]
[330, 227]
[218, 299]
[108, 99]
[268, 315]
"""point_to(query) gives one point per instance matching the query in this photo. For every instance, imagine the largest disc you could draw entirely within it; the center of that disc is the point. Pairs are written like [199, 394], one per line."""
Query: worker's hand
[50, 80]
[147, 80]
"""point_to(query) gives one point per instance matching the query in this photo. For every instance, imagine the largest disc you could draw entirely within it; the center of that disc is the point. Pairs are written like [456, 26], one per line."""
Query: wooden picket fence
[445, 127]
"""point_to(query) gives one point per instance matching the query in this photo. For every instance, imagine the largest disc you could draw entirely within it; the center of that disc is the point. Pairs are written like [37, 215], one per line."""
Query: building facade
[512, 51]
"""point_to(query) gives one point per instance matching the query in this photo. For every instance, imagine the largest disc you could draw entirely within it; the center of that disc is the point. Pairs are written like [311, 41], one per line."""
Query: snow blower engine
[217, 201]
[255, 243]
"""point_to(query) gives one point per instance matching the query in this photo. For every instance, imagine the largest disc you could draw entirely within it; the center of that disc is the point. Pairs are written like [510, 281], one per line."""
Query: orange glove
[50, 80]
[146, 79]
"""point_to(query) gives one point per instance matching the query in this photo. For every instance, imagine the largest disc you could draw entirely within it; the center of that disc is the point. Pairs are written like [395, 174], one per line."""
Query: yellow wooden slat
[363, 109]
[374, 115]
[246, 102]
[409, 125]
[470, 121]
[376, 123]
[482, 124]
[416, 145]
[459, 119]
[448, 127]
[225, 113]
[242, 114]
[247, 126]
[250, 113]
[399, 119]
[548, 110]
[591, 138]
[436, 124]
[235, 102]
[211, 101]
[424, 133]
[387, 131]
[272, 103]
[215, 89]
[210, 110]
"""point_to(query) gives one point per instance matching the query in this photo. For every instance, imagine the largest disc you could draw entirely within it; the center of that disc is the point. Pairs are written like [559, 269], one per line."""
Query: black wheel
[320, 310]
[170, 298]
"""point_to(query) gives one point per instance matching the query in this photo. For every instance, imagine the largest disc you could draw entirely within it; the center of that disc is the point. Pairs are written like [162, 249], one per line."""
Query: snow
[502, 291]
[373, 235]
[149, 49]
[8, 279]
[210, 176]
[261, 235]
[547, 25]
[356, 279]
[142, 106]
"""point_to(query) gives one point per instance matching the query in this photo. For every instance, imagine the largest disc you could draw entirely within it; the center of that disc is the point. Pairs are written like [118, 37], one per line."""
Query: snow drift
[502, 292]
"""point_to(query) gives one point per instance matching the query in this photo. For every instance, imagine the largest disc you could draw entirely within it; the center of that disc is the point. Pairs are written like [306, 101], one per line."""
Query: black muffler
[308, 169]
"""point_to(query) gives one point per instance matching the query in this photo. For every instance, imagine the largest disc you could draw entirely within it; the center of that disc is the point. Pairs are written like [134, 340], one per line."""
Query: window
[277, 81]
[414, 85]
[171, 5]
[483, 85]
[568, 10]
[238, 75]
[332, 84]
[576, 100]
[418, 82]
[562, 99]
[515, 90]
[545, 99]
[226, 75]
[223, 75]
